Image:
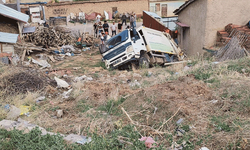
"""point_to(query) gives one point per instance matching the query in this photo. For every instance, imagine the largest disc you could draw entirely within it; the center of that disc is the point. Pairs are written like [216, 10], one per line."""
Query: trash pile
[235, 41]
[48, 45]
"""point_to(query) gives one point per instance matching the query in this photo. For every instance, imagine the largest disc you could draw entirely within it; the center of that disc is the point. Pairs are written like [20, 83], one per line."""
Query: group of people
[132, 19]
[102, 30]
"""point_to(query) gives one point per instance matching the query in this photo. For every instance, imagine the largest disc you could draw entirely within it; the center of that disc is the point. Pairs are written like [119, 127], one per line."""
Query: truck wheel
[144, 61]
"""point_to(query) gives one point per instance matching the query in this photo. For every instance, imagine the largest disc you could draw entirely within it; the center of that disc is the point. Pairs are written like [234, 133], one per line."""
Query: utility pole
[18, 5]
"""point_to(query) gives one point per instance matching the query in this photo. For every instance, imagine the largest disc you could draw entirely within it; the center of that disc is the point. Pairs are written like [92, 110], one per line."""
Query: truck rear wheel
[144, 61]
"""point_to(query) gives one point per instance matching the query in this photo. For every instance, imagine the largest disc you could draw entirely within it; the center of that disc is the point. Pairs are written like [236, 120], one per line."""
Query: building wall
[194, 16]
[171, 6]
[99, 7]
[221, 13]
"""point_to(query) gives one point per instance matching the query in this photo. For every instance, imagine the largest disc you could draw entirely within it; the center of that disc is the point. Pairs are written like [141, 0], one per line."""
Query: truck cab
[143, 45]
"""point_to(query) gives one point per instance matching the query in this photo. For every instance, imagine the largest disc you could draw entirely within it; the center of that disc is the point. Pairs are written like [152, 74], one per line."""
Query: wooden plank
[24, 53]
[52, 58]
[174, 63]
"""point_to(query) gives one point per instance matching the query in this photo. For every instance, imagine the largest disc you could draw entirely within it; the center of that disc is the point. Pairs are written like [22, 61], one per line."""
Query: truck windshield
[119, 38]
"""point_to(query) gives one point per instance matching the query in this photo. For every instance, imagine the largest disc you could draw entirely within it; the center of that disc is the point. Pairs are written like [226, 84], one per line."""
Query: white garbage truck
[142, 46]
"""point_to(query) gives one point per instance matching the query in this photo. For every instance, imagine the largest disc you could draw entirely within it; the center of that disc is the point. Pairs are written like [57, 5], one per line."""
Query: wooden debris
[48, 37]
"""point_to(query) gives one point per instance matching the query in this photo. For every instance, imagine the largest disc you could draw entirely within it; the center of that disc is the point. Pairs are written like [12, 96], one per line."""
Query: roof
[182, 7]
[13, 6]
[182, 25]
[11, 13]
[152, 14]
[33, 3]
[8, 37]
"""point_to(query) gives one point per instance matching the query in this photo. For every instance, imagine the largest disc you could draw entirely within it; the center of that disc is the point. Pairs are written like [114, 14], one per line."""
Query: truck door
[137, 42]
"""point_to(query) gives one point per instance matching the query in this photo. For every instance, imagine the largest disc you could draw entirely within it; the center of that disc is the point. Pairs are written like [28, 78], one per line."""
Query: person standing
[106, 26]
[175, 36]
[100, 27]
[124, 19]
[98, 17]
[113, 28]
[95, 29]
[132, 19]
[119, 27]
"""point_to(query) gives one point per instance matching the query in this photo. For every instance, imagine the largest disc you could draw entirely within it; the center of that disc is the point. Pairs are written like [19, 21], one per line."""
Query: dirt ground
[178, 108]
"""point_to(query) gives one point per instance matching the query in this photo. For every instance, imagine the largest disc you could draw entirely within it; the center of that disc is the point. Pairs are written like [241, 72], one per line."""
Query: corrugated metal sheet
[8, 37]
[29, 29]
[152, 14]
[151, 20]
[11, 13]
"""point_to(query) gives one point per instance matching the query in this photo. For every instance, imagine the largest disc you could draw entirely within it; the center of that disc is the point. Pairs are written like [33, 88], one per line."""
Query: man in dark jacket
[105, 26]
[124, 19]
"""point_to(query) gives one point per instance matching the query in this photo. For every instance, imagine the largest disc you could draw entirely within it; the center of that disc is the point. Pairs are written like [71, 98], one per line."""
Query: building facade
[165, 8]
[199, 21]
[65, 9]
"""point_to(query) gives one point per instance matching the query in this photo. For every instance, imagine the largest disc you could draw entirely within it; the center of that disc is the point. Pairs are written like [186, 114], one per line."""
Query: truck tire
[144, 61]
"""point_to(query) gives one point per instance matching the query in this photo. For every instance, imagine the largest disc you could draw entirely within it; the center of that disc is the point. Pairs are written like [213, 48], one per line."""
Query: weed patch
[111, 107]
[100, 64]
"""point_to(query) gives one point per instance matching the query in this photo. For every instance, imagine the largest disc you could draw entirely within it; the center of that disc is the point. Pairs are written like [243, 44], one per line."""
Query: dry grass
[213, 99]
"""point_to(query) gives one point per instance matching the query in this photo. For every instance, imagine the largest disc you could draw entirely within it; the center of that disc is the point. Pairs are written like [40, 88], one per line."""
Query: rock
[80, 78]
[6, 124]
[186, 68]
[135, 83]
[204, 148]
[89, 78]
[243, 70]
[59, 113]
[136, 75]
[213, 101]
[149, 74]
[13, 113]
[73, 138]
[122, 76]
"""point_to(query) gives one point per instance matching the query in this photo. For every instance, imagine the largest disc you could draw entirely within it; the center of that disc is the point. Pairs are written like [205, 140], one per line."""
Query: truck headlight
[130, 49]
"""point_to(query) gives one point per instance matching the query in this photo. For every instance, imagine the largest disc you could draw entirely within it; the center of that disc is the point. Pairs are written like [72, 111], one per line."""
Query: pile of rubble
[224, 36]
[48, 45]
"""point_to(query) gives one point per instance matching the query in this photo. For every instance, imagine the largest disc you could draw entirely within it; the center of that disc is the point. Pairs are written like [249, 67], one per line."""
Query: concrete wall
[220, 13]
[194, 16]
[75, 7]
[206, 17]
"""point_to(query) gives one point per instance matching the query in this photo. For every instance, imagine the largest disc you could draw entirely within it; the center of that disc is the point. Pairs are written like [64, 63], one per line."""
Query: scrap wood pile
[48, 37]
[224, 36]
[235, 42]
[84, 39]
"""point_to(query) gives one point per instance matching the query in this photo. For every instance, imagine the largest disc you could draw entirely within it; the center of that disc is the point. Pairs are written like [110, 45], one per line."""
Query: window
[134, 34]
[119, 38]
